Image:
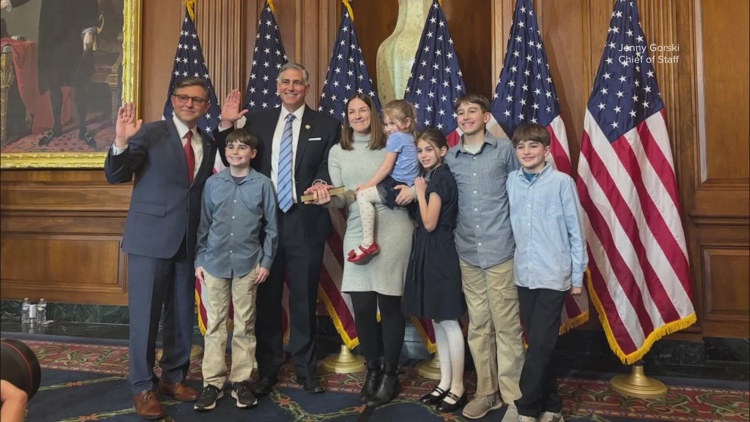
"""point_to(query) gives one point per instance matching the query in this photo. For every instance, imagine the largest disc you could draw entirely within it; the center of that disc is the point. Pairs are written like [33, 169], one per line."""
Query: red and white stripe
[640, 275]
[576, 309]
[337, 303]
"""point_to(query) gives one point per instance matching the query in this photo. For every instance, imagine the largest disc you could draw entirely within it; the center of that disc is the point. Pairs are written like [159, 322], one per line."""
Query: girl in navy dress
[433, 279]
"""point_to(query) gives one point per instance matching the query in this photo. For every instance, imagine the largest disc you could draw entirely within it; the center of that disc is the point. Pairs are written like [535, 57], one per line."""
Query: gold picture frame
[129, 80]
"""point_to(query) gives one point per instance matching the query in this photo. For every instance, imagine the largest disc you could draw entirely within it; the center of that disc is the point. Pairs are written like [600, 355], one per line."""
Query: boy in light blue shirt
[550, 260]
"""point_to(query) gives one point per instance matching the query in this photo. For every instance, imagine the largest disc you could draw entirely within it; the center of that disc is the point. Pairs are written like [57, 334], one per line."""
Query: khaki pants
[495, 335]
[241, 292]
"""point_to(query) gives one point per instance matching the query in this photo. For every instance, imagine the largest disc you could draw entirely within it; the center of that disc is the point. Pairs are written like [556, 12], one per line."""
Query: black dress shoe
[264, 385]
[311, 385]
[434, 397]
[446, 407]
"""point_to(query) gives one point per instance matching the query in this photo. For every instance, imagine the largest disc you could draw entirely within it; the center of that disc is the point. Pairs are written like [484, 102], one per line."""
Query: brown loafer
[147, 405]
[178, 390]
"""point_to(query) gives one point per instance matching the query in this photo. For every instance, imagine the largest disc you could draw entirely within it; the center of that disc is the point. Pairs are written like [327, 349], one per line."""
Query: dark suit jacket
[318, 133]
[164, 209]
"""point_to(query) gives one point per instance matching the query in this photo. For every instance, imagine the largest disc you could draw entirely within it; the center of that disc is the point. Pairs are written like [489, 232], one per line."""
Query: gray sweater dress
[386, 271]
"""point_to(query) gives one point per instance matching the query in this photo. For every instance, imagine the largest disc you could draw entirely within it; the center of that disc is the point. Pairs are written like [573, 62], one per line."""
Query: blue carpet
[82, 381]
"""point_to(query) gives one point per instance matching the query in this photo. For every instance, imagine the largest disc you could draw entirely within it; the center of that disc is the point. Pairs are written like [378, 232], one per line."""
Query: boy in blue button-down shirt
[550, 260]
[237, 239]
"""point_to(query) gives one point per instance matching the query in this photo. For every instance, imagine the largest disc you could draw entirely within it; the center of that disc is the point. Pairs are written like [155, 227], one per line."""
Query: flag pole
[638, 385]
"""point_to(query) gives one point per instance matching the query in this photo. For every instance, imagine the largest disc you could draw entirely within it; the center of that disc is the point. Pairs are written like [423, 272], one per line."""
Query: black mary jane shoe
[431, 399]
[446, 407]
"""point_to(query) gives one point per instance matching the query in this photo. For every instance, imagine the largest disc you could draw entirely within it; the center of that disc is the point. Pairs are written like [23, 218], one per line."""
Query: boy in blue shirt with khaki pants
[237, 239]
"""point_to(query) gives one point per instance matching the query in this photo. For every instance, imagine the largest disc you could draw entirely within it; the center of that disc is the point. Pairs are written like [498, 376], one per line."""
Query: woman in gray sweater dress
[378, 284]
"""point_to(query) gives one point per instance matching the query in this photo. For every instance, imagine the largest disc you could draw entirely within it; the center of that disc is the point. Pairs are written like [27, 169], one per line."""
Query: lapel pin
[307, 126]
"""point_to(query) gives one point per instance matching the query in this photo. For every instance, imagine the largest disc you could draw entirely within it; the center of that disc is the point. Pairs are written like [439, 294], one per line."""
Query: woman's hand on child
[262, 275]
[405, 195]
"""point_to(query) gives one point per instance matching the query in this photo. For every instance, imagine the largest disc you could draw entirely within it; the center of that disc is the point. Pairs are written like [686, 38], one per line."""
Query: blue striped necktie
[284, 179]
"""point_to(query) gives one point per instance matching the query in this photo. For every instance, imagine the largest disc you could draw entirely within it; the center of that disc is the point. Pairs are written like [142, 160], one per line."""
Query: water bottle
[41, 311]
[25, 311]
[32, 314]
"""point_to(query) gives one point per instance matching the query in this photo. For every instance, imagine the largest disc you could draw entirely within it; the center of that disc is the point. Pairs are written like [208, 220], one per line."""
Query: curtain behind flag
[188, 61]
[434, 85]
[268, 57]
[525, 94]
[640, 275]
[347, 75]
[435, 81]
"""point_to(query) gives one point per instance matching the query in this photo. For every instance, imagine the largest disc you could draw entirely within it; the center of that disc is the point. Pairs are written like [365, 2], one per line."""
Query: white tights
[450, 346]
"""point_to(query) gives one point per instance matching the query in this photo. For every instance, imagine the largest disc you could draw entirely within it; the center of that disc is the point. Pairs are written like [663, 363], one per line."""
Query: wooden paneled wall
[61, 228]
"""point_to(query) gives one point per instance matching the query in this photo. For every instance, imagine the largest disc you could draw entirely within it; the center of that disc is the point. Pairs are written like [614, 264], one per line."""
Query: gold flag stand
[345, 362]
[637, 384]
[429, 369]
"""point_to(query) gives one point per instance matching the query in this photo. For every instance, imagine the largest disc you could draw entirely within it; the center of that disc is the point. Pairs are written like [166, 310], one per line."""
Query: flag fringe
[271, 6]
[429, 344]
[580, 319]
[574, 322]
[349, 9]
[652, 338]
[190, 5]
[349, 342]
[201, 322]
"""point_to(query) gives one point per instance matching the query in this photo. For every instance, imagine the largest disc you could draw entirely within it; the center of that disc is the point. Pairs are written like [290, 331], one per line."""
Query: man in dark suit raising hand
[293, 152]
[169, 161]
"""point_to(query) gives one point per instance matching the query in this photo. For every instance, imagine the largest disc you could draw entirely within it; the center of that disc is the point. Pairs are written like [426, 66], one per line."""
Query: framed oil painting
[66, 67]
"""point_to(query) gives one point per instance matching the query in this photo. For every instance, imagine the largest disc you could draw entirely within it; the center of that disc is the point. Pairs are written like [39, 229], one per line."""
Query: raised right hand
[126, 125]
[230, 109]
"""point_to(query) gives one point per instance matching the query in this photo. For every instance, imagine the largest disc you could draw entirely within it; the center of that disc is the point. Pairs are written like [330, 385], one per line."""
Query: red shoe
[366, 254]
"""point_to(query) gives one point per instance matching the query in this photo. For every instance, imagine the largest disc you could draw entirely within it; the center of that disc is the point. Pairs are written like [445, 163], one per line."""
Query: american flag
[188, 61]
[435, 81]
[268, 57]
[347, 73]
[525, 94]
[640, 275]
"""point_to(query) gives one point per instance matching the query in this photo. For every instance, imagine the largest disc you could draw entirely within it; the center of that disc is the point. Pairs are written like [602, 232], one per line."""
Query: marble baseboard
[98, 314]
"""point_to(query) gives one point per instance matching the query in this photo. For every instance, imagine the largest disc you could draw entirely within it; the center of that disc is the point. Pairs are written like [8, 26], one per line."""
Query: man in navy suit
[170, 161]
[303, 229]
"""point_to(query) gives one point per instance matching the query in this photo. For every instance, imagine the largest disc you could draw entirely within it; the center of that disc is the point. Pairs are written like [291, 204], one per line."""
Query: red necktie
[190, 156]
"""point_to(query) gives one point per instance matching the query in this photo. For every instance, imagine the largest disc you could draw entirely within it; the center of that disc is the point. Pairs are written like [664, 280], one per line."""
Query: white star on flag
[435, 81]
[347, 73]
[268, 57]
